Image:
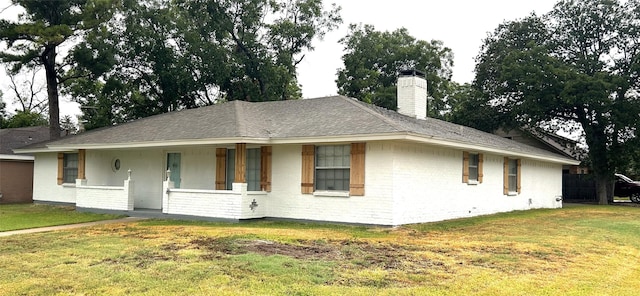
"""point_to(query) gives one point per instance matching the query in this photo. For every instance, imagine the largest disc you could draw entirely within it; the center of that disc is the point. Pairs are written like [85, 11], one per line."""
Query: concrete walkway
[70, 226]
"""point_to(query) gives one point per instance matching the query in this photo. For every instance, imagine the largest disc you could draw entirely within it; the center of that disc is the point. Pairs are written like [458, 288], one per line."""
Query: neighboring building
[577, 184]
[326, 159]
[550, 142]
[16, 171]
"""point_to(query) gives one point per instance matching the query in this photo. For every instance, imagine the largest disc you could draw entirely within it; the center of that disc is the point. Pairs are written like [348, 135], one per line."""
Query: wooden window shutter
[308, 168]
[241, 163]
[356, 172]
[506, 176]
[465, 167]
[519, 164]
[81, 162]
[60, 168]
[480, 166]
[265, 168]
[221, 168]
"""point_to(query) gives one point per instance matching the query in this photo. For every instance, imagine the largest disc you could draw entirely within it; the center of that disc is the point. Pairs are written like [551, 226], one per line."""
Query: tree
[27, 91]
[134, 69]
[373, 60]
[67, 125]
[575, 69]
[170, 55]
[3, 112]
[25, 119]
[466, 106]
[36, 38]
[264, 41]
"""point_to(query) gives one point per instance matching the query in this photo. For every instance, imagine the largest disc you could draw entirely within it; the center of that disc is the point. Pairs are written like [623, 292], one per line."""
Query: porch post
[241, 162]
[81, 162]
[128, 191]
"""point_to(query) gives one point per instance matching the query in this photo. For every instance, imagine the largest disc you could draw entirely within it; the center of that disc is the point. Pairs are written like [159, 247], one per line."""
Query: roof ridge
[370, 110]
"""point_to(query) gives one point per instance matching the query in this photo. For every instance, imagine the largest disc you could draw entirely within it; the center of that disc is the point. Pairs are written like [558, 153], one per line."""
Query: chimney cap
[412, 72]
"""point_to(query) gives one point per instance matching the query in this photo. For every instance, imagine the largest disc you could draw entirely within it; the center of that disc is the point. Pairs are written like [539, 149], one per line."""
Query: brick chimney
[412, 94]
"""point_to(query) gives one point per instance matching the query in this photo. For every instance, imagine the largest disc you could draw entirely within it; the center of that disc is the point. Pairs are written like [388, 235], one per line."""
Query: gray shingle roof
[321, 117]
[13, 138]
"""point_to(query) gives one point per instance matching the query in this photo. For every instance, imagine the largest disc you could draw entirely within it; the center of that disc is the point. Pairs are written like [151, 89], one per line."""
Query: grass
[23, 216]
[581, 250]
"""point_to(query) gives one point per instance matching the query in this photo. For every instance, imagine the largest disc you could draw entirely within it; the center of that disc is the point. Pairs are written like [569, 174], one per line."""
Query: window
[70, 167]
[231, 168]
[472, 168]
[512, 176]
[332, 167]
[253, 169]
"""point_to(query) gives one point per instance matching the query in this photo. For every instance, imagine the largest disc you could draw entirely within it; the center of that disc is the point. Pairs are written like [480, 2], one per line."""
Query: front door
[173, 164]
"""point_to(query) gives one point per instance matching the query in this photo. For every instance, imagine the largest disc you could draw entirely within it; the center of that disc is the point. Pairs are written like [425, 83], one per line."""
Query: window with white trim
[332, 167]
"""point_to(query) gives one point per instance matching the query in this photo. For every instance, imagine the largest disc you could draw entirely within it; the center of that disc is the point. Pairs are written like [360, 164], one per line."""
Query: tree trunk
[602, 185]
[599, 155]
[48, 59]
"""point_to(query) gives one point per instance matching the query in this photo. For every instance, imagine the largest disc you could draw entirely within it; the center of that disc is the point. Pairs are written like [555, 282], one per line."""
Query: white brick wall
[105, 197]
[404, 183]
[286, 200]
[228, 204]
[428, 186]
[412, 96]
[45, 181]
[204, 203]
[147, 170]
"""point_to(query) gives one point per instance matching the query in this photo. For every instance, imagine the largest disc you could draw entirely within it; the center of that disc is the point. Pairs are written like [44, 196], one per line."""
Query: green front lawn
[23, 216]
[579, 250]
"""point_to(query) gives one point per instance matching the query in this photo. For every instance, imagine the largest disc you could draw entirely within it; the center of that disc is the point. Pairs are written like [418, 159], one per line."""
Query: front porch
[229, 205]
[213, 182]
[235, 204]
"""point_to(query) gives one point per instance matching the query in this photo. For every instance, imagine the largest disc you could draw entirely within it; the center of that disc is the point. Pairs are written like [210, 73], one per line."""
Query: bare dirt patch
[348, 252]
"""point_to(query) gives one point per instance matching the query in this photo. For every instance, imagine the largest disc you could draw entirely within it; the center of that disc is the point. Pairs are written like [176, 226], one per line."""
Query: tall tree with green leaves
[466, 106]
[25, 119]
[373, 60]
[171, 55]
[136, 68]
[575, 69]
[36, 38]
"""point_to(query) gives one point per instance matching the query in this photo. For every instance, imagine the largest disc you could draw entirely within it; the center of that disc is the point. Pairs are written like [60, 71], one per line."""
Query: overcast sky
[460, 24]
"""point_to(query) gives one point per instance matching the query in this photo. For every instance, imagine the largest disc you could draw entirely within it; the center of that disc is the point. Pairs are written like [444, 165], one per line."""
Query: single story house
[16, 171]
[326, 159]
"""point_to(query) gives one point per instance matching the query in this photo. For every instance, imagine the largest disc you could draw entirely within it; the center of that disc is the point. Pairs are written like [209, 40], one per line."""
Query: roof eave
[16, 157]
[154, 144]
[311, 139]
[473, 147]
